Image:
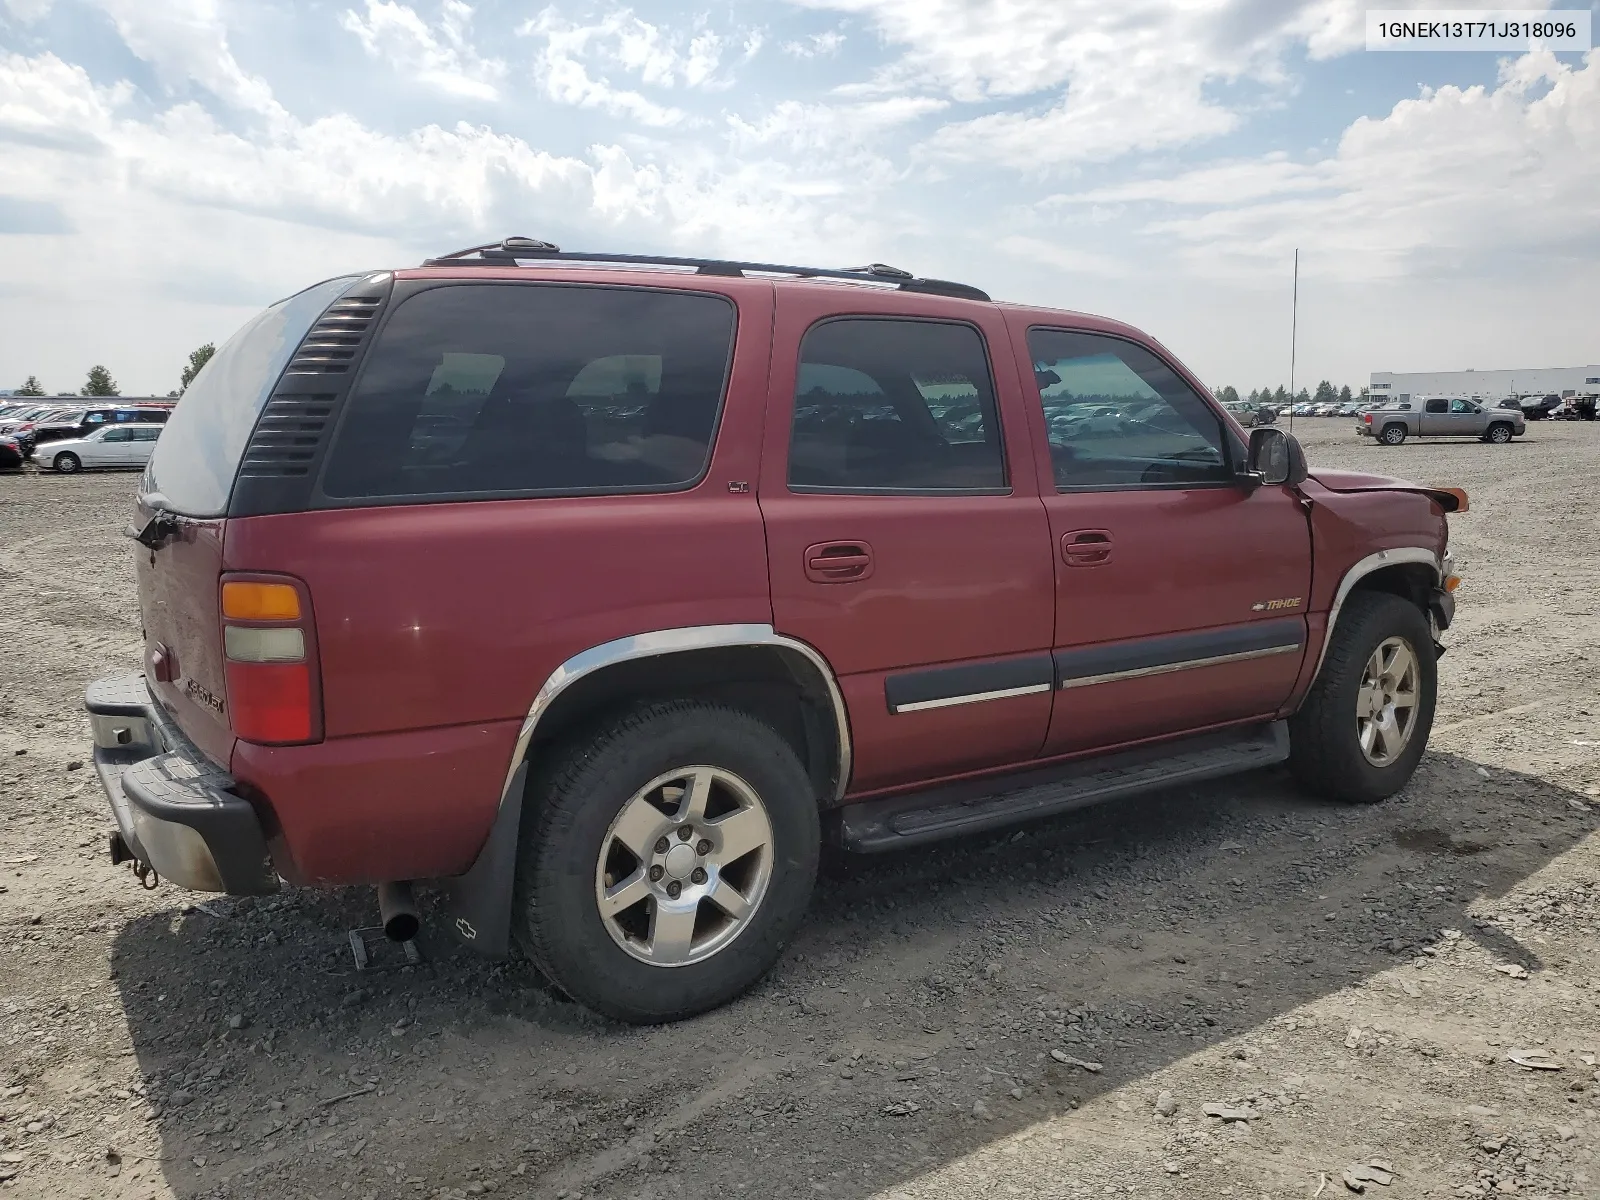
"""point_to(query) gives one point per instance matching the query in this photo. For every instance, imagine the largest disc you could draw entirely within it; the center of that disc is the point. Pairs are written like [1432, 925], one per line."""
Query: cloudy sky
[168, 166]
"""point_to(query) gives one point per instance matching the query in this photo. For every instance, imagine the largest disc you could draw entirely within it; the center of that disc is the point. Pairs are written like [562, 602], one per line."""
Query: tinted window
[894, 405]
[1437, 406]
[489, 388]
[194, 463]
[1117, 416]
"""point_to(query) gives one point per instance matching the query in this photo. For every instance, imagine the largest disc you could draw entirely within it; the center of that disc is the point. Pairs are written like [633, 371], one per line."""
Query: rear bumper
[174, 808]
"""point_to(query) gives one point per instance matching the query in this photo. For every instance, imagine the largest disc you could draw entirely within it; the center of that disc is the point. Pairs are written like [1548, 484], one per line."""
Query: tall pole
[1294, 333]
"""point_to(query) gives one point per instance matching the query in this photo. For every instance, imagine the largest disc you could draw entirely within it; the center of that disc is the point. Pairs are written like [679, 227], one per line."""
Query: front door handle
[1086, 547]
[838, 562]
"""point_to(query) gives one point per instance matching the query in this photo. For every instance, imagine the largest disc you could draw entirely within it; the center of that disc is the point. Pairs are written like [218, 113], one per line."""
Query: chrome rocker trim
[1187, 664]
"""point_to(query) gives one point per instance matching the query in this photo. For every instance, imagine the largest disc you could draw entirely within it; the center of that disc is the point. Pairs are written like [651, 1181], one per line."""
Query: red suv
[595, 591]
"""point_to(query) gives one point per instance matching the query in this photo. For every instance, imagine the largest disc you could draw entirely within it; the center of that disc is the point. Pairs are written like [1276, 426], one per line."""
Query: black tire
[66, 462]
[569, 811]
[1324, 747]
[1392, 435]
[1499, 433]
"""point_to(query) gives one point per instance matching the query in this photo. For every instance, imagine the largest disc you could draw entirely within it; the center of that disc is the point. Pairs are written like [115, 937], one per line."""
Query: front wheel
[1499, 433]
[1392, 435]
[665, 860]
[1365, 724]
[67, 463]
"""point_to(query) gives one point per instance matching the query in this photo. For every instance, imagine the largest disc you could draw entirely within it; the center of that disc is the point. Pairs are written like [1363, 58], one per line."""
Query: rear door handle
[1086, 547]
[838, 562]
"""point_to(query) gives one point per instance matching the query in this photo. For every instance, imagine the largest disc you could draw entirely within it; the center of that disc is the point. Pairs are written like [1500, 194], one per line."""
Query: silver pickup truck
[1396, 421]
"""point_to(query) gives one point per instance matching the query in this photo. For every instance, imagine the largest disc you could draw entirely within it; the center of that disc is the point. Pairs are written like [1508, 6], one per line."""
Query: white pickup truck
[1440, 417]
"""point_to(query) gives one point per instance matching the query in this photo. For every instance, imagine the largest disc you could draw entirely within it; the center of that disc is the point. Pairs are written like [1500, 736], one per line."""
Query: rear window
[199, 451]
[489, 389]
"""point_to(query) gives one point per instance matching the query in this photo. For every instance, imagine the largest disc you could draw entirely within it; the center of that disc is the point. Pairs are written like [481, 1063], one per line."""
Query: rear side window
[486, 389]
[198, 454]
[893, 405]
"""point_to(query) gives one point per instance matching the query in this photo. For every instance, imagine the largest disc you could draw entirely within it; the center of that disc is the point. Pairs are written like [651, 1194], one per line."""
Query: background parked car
[30, 433]
[83, 420]
[10, 452]
[1536, 408]
[125, 445]
[23, 415]
[1441, 416]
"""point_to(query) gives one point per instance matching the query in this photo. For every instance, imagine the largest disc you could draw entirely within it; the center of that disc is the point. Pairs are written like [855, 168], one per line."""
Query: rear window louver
[286, 437]
[291, 430]
[334, 341]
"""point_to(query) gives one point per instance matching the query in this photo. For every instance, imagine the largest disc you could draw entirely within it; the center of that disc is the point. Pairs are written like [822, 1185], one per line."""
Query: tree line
[101, 383]
[1279, 397]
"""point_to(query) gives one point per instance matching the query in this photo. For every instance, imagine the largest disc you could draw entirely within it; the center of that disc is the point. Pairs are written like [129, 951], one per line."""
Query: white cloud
[28, 11]
[816, 45]
[655, 57]
[1456, 181]
[440, 55]
[830, 129]
[187, 41]
[1105, 80]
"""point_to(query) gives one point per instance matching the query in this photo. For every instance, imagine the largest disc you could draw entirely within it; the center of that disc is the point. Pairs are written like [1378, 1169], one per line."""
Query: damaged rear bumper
[175, 810]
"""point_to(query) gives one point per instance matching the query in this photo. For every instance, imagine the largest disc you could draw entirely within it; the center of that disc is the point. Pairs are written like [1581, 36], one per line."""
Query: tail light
[1367, 417]
[269, 646]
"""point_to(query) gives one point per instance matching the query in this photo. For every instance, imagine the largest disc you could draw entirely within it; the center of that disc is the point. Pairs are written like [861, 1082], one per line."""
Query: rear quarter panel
[438, 623]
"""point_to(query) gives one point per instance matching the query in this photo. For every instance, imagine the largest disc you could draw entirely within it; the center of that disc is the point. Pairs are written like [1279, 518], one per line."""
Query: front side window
[1117, 416]
[536, 388]
[894, 405]
[1463, 406]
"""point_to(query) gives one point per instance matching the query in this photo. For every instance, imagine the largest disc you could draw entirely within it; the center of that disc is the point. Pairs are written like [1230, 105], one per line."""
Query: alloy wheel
[1386, 701]
[684, 866]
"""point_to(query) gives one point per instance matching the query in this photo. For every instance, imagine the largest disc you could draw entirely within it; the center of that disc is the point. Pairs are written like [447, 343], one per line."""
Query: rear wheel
[1364, 726]
[1392, 435]
[66, 462]
[1499, 433]
[666, 859]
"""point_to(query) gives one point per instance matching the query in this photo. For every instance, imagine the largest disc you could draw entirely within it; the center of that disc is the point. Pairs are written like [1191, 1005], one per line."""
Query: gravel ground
[1225, 991]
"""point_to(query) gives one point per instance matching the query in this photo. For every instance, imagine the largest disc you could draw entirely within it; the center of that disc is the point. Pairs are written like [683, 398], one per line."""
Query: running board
[910, 820]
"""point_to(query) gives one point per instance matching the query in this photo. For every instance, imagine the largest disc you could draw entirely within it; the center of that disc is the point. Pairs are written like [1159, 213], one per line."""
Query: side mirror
[1276, 457]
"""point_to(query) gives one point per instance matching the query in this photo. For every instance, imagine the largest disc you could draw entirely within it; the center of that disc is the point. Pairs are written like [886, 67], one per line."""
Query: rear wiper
[162, 525]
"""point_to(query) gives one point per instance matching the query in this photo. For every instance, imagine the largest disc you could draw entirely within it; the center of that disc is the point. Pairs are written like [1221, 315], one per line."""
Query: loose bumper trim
[174, 808]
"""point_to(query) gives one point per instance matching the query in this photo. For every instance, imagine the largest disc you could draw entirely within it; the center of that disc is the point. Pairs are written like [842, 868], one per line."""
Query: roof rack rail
[513, 249]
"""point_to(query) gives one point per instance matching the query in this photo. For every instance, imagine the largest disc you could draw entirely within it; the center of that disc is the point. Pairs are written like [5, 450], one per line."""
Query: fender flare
[1359, 571]
[478, 901]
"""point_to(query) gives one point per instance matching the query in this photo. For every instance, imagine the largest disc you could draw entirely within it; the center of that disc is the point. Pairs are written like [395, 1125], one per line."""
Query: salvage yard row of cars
[75, 437]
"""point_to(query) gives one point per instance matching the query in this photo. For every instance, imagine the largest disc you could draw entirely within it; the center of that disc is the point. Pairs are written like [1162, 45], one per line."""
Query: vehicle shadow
[924, 983]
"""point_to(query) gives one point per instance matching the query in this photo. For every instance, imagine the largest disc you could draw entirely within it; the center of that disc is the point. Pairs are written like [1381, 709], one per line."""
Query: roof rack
[513, 249]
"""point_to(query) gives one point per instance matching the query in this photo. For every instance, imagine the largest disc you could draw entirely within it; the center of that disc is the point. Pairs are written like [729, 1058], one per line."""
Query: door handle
[1086, 547]
[838, 562]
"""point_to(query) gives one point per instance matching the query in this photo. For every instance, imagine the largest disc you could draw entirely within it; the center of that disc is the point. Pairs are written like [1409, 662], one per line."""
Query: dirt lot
[1349, 985]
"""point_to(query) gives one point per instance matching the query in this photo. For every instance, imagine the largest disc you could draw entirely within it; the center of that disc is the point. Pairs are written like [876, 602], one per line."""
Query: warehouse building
[1487, 385]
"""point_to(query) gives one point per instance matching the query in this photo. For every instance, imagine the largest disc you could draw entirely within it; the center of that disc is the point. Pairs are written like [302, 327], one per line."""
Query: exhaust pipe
[397, 908]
